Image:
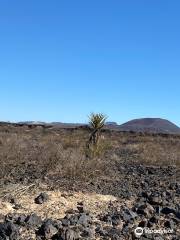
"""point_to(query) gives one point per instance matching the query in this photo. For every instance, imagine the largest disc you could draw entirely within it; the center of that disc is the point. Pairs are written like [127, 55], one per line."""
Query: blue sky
[61, 60]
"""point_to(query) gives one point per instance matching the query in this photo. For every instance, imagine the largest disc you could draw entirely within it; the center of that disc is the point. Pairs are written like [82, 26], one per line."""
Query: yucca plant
[96, 122]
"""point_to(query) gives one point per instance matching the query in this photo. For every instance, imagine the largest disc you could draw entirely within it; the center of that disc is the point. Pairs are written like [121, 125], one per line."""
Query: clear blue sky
[62, 59]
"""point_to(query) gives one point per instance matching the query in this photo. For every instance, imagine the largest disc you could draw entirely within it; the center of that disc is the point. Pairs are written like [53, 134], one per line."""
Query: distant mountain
[52, 124]
[65, 125]
[151, 125]
[111, 123]
[156, 125]
[32, 123]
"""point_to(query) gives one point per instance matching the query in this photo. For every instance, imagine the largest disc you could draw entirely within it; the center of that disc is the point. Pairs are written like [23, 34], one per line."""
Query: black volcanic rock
[43, 197]
[119, 219]
[155, 125]
[8, 230]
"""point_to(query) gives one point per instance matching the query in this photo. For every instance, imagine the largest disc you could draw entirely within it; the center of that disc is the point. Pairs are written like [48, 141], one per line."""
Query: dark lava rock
[169, 224]
[47, 230]
[141, 210]
[33, 221]
[106, 218]
[12, 200]
[88, 233]
[10, 218]
[17, 206]
[73, 219]
[21, 220]
[114, 233]
[100, 231]
[67, 234]
[128, 215]
[84, 220]
[146, 194]
[145, 209]
[65, 222]
[178, 214]
[10, 231]
[143, 223]
[154, 219]
[167, 210]
[80, 207]
[155, 205]
[116, 220]
[43, 197]
[158, 209]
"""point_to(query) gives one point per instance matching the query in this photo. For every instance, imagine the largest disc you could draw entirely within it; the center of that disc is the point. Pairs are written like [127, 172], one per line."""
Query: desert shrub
[75, 166]
[159, 153]
[99, 149]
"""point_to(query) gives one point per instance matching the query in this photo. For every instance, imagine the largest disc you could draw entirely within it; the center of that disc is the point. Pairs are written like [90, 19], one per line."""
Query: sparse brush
[33, 154]
[99, 149]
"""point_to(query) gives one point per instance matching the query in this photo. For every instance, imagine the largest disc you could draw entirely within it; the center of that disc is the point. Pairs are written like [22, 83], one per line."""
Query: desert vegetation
[124, 178]
[93, 146]
[41, 152]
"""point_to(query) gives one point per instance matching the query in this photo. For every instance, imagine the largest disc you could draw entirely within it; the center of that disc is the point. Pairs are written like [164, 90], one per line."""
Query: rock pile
[119, 222]
[155, 208]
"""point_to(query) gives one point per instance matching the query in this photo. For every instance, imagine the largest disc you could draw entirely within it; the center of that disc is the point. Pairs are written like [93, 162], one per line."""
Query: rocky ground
[49, 189]
[142, 196]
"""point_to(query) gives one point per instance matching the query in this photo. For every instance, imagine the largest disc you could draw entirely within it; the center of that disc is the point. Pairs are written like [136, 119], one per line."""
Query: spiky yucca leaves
[96, 121]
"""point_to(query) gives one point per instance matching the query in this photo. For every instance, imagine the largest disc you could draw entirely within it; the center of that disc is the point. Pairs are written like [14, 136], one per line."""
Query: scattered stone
[48, 230]
[8, 230]
[33, 220]
[42, 198]
[65, 222]
[154, 220]
[168, 210]
[154, 202]
[89, 233]
[84, 220]
[169, 224]
[21, 220]
[80, 207]
[68, 234]
[17, 206]
[128, 215]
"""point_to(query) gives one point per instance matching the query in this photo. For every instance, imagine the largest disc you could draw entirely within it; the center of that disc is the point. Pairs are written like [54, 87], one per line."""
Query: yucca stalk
[96, 122]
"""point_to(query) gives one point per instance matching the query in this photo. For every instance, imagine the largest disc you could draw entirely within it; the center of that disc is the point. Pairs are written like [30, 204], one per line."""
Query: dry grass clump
[77, 167]
[159, 155]
[148, 149]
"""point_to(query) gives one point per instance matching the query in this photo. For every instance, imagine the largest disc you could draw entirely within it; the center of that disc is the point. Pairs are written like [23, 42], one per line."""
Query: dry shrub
[26, 155]
[159, 153]
[98, 150]
[70, 142]
[76, 166]
[147, 149]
